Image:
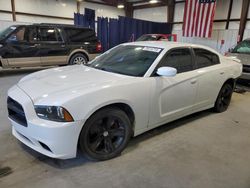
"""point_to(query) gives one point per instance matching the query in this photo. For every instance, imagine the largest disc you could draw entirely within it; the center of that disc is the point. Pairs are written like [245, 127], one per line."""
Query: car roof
[170, 45]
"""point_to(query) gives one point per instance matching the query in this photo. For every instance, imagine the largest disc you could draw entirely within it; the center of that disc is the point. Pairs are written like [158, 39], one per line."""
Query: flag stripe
[185, 17]
[194, 17]
[197, 20]
[201, 20]
[211, 22]
[189, 16]
[204, 23]
[208, 20]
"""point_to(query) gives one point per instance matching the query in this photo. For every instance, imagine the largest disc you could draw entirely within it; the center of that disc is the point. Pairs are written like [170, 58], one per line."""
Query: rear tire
[78, 59]
[105, 134]
[224, 98]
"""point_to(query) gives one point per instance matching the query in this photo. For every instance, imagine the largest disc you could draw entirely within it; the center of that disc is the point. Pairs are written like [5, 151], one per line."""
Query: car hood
[65, 81]
[244, 58]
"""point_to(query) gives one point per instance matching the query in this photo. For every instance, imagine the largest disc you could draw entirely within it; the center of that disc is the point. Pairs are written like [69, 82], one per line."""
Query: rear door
[24, 47]
[52, 46]
[210, 77]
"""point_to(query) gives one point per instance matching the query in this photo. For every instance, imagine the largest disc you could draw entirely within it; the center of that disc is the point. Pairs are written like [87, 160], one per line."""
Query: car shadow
[167, 127]
[242, 86]
[133, 144]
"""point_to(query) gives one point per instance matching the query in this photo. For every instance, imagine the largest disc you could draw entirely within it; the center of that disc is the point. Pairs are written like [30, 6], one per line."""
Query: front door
[24, 47]
[52, 47]
[173, 97]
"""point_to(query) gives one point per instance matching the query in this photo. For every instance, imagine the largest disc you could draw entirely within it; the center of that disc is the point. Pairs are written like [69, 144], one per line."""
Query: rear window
[205, 58]
[80, 35]
[49, 34]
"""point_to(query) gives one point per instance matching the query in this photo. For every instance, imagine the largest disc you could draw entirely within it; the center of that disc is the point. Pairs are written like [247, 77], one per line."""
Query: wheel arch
[82, 51]
[122, 106]
[230, 81]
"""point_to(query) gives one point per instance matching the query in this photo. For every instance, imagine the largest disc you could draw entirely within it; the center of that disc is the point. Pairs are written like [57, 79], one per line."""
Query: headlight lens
[53, 113]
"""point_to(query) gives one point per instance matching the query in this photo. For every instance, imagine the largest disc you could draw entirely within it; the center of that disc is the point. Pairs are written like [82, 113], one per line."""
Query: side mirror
[230, 50]
[167, 71]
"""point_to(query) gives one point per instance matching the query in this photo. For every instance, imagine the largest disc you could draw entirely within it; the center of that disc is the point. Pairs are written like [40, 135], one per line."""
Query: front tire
[105, 134]
[78, 59]
[224, 98]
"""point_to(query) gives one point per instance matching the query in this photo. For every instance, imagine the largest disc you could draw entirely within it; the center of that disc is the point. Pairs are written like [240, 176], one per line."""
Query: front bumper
[53, 139]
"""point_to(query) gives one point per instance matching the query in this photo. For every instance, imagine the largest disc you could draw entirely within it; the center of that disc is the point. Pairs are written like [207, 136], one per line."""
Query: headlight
[1, 45]
[53, 113]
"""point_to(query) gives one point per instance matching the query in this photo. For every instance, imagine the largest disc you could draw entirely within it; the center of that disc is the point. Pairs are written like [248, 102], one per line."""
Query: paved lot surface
[205, 150]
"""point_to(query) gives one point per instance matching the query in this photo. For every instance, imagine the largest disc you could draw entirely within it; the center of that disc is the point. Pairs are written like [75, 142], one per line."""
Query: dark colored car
[242, 52]
[152, 37]
[47, 44]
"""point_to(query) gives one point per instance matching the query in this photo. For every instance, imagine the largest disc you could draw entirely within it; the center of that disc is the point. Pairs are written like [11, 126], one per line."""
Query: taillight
[99, 47]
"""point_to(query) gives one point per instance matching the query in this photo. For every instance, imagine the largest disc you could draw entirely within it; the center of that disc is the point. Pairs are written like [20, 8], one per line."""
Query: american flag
[198, 18]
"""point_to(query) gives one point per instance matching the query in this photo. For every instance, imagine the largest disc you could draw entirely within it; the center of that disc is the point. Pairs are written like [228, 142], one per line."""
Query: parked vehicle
[242, 52]
[126, 91]
[47, 44]
[157, 37]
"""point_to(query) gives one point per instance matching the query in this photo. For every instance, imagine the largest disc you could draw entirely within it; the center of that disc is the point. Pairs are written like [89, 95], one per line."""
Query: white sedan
[128, 90]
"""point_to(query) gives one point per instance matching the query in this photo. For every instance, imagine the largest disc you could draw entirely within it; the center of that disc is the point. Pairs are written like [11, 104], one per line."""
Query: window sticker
[152, 49]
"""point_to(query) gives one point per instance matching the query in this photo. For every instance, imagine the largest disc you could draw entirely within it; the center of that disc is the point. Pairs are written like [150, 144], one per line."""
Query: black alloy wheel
[105, 134]
[224, 98]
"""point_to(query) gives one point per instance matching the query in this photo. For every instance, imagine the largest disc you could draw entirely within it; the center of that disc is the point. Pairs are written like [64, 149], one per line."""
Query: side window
[80, 35]
[32, 34]
[49, 34]
[181, 59]
[205, 58]
[58, 34]
[19, 35]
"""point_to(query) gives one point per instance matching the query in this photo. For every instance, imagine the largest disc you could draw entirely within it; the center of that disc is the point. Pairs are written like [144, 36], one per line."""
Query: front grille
[246, 68]
[16, 112]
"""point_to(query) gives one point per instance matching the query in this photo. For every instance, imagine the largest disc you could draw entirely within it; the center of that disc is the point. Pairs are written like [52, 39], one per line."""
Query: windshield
[148, 38]
[4, 33]
[243, 47]
[127, 59]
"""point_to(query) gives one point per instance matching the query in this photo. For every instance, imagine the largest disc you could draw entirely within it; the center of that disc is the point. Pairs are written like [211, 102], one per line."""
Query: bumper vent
[16, 112]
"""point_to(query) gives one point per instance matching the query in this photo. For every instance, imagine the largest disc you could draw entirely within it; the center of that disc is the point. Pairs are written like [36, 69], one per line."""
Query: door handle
[221, 73]
[63, 46]
[193, 81]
